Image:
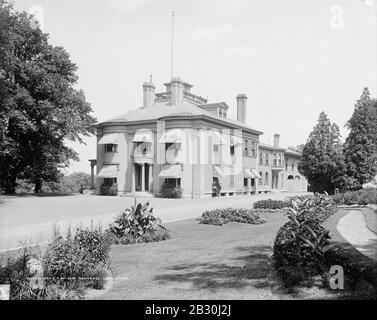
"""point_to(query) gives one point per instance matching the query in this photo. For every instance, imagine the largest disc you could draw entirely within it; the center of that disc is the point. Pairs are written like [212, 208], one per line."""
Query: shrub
[94, 244]
[169, 191]
[16, 272]
[69, 262]
[107, 190]
[359, 197]
[137, 225]
[301, 244]
[270, 204]
[223, 216]
[69, 265]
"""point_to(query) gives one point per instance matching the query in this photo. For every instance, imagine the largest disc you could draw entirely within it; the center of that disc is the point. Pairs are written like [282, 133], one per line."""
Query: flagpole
[172, 44]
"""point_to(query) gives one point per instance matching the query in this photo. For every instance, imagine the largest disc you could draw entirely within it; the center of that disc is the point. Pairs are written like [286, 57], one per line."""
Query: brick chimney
[176, 91]
[276, 140]
[148, 94]
[241, 107]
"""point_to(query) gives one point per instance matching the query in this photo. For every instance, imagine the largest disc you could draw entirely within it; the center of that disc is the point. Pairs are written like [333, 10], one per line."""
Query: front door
[147, 168]
[137, 177]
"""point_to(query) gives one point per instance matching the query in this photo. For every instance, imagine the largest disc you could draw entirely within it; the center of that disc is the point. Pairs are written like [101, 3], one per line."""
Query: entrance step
[139, 194]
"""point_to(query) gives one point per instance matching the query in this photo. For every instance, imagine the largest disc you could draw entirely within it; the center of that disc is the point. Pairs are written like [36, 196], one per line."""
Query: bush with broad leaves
[137, 225]
[301, 244]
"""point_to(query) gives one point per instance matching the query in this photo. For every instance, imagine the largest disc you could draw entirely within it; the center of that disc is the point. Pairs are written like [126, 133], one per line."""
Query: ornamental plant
[222, 216]
[301, 244]
[270, 204]
[136, 225]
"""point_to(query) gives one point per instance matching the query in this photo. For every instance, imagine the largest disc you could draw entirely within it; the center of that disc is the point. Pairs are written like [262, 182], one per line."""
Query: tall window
[260, 181]
[274, 162]
[293, 164]
[266, 180]
[286, 164]
[109, 181]
[173, 182]
[143, 147]
[245, 148]
[111, 147]
[253, 149]
[261, 158]
[280, 160]
[267, 159]
[245, 182]
[231, 180]
[232, 150]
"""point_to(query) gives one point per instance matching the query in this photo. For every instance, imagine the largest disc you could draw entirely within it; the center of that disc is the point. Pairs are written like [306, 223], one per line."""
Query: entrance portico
[142, 177]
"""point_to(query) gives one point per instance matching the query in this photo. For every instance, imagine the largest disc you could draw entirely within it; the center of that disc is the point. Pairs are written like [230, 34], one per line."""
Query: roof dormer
[220, 109]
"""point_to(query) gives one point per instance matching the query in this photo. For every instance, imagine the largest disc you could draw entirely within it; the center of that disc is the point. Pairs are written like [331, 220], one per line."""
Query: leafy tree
[360, 148]
[40, 108]
[322, 159]
[76, 182]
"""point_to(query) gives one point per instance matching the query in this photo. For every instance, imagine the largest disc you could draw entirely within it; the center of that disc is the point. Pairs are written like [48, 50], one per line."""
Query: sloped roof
[164, 109]
[271, 147]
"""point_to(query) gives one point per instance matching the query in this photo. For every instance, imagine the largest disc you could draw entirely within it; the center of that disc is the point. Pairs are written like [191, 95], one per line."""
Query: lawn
[199, 262]
[360, 270]
[370, 215]
[31, 218]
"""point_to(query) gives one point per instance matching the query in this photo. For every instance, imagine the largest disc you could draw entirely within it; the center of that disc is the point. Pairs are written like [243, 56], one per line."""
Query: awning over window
[143, 136]
[225, 139]
[109, 138]
[172, 136]
[217, 138]
[218, 172]
[257, 175]
[251, 173]
[171, 171]
[235, 141]
[108, 171]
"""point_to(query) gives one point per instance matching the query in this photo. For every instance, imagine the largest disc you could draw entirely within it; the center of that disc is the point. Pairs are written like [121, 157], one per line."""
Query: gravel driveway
[30, 218]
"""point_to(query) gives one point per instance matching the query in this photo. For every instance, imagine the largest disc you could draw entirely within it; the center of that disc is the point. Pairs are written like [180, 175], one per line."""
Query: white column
[133, 178]
[150, 178]
[143, 177]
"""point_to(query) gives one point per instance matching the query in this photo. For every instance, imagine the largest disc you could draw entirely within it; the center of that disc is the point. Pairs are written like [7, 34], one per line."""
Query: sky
[292, 58]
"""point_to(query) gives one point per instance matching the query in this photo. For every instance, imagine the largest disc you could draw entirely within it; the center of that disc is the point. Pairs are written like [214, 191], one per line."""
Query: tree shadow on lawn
[248, 270]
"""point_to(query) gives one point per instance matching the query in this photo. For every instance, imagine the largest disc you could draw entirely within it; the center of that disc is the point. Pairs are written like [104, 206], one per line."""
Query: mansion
[178, 138]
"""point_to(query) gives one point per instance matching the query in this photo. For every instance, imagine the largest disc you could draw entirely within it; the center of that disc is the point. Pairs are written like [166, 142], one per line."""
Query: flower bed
[137, 225]
[270, 204]
[222, 216]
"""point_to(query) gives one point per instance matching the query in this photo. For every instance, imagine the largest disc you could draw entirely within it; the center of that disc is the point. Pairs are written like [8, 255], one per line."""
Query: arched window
[297, 177]
[290, 177]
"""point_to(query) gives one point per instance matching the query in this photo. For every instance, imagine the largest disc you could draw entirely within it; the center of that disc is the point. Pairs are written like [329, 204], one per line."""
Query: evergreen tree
[360, 148]
[322, 158]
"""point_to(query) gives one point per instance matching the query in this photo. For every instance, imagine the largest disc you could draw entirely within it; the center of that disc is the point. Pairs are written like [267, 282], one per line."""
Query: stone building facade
[179, 138]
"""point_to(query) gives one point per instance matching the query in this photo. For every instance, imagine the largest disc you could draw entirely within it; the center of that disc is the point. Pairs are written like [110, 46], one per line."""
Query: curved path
[353, 228]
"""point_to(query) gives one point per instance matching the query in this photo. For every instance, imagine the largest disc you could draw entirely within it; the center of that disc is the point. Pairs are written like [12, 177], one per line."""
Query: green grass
[199, 262]
[360, 270]
[371, 218]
